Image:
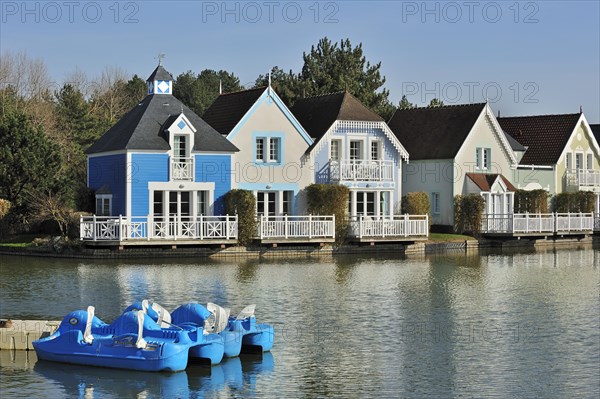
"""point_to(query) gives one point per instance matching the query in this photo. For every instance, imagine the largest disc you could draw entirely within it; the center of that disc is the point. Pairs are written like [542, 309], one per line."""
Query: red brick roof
[485, 181]
[545, 136]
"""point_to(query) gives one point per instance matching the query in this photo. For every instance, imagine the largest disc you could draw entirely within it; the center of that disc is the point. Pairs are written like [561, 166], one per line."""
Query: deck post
[81, 227]
[333, 226]
[406, 227]
[260, 227]
[360, 226]
[120, 227]
[94, 227]
[285, 221]
[201, 227]
[427, 225]
[310, 227]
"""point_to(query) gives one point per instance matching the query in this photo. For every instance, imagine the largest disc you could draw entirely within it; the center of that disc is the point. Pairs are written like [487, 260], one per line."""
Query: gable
[581, 140]
[486, 133]
[271, 108]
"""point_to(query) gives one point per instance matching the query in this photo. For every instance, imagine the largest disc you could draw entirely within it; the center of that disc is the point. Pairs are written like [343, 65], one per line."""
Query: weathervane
[160, 57]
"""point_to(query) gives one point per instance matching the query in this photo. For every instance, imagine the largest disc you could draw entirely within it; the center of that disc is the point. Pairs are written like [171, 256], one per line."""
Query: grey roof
[160, 73]
[143, 127]
[514, 144]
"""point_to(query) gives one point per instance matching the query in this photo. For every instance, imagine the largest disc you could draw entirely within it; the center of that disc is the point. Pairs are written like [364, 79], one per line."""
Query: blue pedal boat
[240, 333]
[214, 320]
[256, 337]
[133, 341]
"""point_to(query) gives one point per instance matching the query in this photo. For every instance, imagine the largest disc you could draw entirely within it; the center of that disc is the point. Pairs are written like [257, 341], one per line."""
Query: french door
[266, 203]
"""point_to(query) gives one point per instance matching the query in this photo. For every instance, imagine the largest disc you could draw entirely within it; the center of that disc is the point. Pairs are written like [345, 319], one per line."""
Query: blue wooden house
[159, 173]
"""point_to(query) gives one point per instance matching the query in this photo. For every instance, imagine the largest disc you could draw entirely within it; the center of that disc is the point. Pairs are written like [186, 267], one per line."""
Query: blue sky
[528, 57]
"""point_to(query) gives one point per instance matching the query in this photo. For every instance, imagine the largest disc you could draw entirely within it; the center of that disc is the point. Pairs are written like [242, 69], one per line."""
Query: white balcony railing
[361, 170]
[533, 223]
[389, 226]
[582, 178]
[121, 228]
[309, 227]
[182, 168]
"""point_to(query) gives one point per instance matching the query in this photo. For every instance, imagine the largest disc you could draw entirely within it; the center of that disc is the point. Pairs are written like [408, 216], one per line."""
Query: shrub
[416, 204]
[330, 199]
[581, 201]
[468, 211]
[534, 201]
[4, 207]
[243, 204]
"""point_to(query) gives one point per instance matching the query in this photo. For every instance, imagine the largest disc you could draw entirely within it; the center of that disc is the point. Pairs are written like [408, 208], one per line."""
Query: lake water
[440, 326]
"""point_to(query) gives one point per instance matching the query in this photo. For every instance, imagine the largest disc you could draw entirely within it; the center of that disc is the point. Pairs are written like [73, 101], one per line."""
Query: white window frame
[266, 153]
[482, 158]
[375, 144]
[337, 152]
[360, 155]
[260, 149]
[435, 203]
[568, 161]
[103, 198]
[582, 164]
[589, 161]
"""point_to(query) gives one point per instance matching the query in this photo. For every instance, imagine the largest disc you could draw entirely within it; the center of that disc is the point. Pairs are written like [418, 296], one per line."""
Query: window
[579, 161]
[384, 200]
[483, 158]
[355, 150]
[103, 205]
[268, 149]
[157, 206]
[435, 203]
[260, 150]
[274, 150]
[180, 148]
[365, 203]
[590, 162]
[568, 161]
[374, 150]
[202, 203]
[288, 198]
[335, 150]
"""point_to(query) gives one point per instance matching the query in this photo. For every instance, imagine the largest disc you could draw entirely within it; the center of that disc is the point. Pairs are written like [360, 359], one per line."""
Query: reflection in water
[236, 375]
[501, 323]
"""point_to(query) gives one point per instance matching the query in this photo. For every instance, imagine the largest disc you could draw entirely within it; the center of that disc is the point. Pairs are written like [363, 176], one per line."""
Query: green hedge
[581, 201]
[416, 204]
[243, 204]
[468, 211]
[534, 201]
[330, 199]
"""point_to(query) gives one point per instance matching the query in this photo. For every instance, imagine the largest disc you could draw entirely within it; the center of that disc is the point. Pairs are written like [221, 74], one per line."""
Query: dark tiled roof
[228, 109]
[142, 128]
[486, 181]
[596, 131]
[160, 73]
[434, 132]
[545, 136]
[317, 114]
